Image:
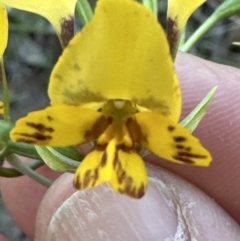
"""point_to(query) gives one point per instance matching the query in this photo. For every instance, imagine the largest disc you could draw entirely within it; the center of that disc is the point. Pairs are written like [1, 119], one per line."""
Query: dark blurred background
[33, 49]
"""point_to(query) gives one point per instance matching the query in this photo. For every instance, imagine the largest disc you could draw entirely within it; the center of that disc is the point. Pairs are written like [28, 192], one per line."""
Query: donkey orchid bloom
[115, 85]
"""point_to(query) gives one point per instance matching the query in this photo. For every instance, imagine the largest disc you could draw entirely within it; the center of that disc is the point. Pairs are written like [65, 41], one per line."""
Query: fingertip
[219, 131]
[171, 207]
[61, 189]
[3, 238]
[22, 196]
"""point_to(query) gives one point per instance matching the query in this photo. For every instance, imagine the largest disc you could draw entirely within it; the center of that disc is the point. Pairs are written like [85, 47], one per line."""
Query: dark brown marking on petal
[153, 104]
[67, 29]
[76, 67]
[125, 148]
[182, 147]
[179, 138]
[86, 179]
[40, 127]
[86, 96]
[116, 162]
[171, 128]
[141, 191]
[126, 182]
[95, 176]
[183, 159]
[191, 155]
[36, 136]
[77, 183]
[104, 159]
[58, 76]
[49, 118]
[172, 33]
[25, 140]
[98, 128]
[136, 13]
[135, 131]
[122, 176]
[100, 147]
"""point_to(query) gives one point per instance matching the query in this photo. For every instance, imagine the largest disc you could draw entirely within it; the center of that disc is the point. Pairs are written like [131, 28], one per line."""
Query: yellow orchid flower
[178, 13]
[60, 14]
[4, 29]
[115, 84]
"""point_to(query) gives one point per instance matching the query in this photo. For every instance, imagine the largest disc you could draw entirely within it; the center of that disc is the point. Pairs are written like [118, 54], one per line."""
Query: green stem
[11, 172]
[84, 11]
[23, 149]
[5, 92]
[199, 33]
[25, 169]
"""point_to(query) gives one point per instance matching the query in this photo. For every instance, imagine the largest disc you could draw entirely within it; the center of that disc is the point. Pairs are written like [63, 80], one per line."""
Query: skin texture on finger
[2, 238]
[172, 209]
[219, 130]
[22, 196]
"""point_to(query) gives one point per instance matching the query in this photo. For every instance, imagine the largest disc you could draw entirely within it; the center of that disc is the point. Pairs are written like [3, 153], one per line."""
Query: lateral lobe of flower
[59, 125]
[170, 140]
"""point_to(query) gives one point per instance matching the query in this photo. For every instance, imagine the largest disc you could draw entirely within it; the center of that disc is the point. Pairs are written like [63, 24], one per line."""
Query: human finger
[171, 208]
[219, 131]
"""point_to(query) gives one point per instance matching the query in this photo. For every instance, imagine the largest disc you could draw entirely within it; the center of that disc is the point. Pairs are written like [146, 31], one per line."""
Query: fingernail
[102, 214]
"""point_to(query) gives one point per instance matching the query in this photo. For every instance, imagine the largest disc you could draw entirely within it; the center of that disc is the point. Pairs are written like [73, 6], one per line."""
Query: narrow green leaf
[227, 9]
[25, 169]
[70, 152]
[12, 172]
[55, 160]
[84, 11]
[194, 118]
[152, 4]
[236, 43]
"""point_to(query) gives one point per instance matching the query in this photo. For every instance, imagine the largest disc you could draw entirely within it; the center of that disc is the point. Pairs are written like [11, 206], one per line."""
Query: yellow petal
[3, 29]
[57, 12]
[170, 140]
[59, 125]
[180, 10]
[125, 171]
[1, 109]
[121, 54]
[130, 174]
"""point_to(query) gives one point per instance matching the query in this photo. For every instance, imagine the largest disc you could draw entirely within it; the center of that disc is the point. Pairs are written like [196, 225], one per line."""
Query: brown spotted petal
[60, 125]
[169, 140]
[125, 171]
